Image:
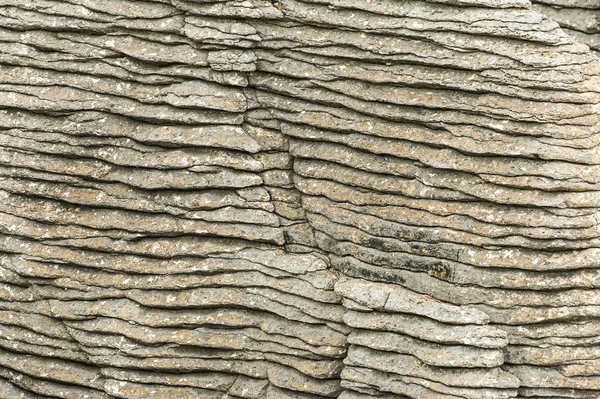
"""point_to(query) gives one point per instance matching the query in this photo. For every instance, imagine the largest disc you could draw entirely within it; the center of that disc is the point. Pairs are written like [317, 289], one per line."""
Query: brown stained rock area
[299, 199]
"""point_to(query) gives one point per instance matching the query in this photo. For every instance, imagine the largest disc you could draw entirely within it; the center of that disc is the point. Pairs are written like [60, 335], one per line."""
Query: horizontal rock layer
[299, 199]
[578, 18]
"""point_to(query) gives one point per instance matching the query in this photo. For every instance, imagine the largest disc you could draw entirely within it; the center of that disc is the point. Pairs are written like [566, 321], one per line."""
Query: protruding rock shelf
[299, 199]
[579, 18]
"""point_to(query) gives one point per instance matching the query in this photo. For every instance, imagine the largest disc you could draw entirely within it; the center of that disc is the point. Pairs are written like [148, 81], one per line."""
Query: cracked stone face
[299, 199]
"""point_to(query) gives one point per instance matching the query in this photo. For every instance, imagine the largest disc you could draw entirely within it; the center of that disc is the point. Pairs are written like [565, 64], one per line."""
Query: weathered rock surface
[299, 199]
[578, 18]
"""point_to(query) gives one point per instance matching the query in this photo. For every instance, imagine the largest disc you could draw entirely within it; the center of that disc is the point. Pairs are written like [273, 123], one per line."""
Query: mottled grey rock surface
[299, 199]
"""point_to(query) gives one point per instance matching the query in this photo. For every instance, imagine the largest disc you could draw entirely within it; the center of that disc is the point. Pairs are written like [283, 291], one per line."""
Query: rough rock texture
[579, 18]
[299, 199]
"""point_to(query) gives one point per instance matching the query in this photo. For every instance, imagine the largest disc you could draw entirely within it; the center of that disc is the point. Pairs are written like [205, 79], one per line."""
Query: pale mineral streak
[299, 199]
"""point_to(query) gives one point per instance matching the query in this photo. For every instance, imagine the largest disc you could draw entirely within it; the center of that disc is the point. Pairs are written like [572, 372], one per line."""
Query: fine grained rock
[299, 199]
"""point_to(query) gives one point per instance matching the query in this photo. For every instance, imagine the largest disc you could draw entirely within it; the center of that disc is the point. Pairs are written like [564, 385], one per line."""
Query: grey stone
[429, 330]
[428, 352]
[299, 199]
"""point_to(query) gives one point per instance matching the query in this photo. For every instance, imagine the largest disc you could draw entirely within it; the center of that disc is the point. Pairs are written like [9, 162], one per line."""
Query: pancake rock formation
[299, 199]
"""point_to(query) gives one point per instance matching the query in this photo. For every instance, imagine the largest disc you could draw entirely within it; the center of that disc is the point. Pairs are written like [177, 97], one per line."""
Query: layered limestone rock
[299, 199]
[579, 18]
[144, 218]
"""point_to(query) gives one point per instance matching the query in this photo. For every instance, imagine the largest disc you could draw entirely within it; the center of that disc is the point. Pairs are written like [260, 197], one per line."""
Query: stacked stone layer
[579, 18]
[298, 199]
[144, 218]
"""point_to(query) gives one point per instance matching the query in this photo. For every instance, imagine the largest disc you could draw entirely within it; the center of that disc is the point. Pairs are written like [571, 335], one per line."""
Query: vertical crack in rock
[299, 199]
